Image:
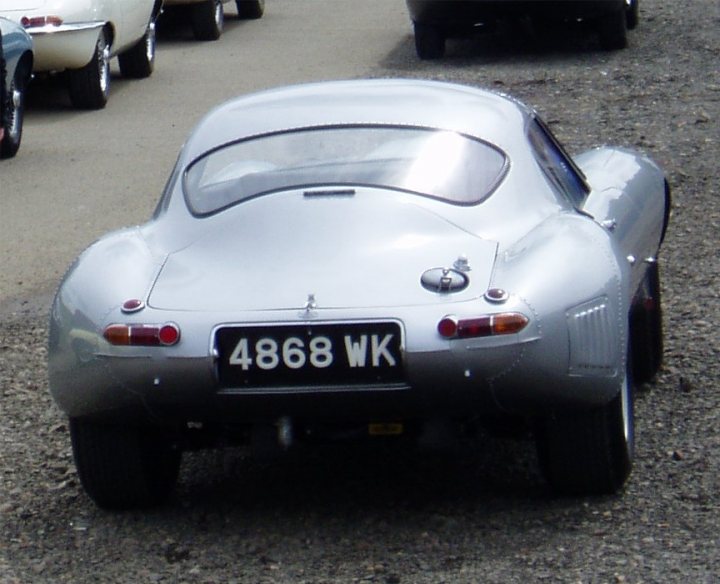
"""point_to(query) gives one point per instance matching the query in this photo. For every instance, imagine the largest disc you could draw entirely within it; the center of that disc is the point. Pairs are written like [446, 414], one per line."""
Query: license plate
[310, 355]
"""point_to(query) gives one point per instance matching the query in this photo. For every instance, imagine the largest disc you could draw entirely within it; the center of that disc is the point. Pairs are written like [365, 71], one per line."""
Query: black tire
[612, 29]
[124, 466]
[632, 14]
[250, 9]
[429, 41]
[668, 209]
[14, 114]
[646, 334]
[589, 452]
[207, 20]
[138, 62]
[90, 86]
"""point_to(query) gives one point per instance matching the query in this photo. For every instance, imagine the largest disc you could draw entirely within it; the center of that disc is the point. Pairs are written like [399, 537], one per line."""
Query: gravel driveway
[476, 513]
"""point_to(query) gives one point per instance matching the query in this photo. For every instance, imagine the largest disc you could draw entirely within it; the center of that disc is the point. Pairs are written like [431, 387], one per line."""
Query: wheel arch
[25, 65]
[668, 209]
[109, 30]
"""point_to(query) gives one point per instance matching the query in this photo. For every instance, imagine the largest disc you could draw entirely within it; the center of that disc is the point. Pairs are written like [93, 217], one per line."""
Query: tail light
[142, 335]
[40, 21]
[489, 325]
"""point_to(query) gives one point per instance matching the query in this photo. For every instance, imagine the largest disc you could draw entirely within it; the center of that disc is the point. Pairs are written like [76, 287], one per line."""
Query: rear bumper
[185, 2]
[69, 46]
[453, 383]
[568, 356]
[471, 12]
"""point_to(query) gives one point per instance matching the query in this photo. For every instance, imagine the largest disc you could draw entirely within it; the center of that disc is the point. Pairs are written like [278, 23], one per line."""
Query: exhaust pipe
[284, 432]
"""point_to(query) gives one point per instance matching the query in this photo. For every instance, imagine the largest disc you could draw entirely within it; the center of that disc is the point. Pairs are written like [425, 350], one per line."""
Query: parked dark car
[435, 21]
[207, 17]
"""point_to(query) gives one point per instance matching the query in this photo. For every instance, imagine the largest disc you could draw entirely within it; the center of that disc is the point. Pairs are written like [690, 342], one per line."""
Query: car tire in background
[208, 18]
[138, 61]
[429, 41]
[589, 452]
[250, 9]
[124, 466]
[90, 85]
[632, 14]
[646, 336]
[14, 113]
[612, 29]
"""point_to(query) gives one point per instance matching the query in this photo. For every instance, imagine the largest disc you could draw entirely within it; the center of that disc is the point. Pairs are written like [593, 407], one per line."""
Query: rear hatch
[358, 251]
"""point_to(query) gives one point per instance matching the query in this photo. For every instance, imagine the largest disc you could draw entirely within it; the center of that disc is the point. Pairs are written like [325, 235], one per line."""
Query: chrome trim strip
[50, 29]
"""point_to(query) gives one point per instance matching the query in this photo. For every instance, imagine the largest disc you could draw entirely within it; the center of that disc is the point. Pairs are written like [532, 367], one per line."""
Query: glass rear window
[433, 163]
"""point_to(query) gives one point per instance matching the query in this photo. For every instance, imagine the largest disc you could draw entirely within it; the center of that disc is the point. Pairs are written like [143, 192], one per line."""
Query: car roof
[484, 114]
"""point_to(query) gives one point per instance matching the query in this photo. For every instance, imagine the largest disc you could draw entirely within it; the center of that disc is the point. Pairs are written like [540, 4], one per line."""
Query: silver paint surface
[285, 258]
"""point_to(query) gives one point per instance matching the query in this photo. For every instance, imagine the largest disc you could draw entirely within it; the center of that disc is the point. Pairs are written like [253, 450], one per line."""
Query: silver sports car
[388, 256]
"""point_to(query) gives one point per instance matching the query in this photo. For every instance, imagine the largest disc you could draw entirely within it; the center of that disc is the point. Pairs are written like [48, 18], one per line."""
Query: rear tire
[14, 113]
[250, 9]
[632, 14]
[208, 19]
[90, 86]
[646, 328]
[138, 62]
[124, 466]
[612, 29]
[429, 41]
[589, 452]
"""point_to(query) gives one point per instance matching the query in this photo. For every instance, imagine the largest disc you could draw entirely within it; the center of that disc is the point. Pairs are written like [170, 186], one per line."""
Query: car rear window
[444, 165]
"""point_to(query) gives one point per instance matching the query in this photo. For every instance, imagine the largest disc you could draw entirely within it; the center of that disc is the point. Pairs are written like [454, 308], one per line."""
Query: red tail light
[142, 335]
[505, 323]
[40, 21]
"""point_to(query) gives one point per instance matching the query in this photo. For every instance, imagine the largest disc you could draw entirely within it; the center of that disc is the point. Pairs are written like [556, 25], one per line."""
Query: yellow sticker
[385, 428]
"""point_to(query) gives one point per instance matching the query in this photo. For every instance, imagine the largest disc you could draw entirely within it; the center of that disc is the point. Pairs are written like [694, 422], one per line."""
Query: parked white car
[82, 36]
[207, 17]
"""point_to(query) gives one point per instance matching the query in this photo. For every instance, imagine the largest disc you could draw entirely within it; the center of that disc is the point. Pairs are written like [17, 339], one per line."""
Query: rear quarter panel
[118, 267]
[628, 193]
[130, 19]
[565, 269]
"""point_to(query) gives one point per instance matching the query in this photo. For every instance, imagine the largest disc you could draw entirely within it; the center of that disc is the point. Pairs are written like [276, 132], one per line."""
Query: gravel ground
[479, 512]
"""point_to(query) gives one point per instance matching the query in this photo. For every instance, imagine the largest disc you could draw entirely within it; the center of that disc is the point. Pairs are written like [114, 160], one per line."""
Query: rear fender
[568, 273]
[25, 66]
[630, 198]
[117, 268]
